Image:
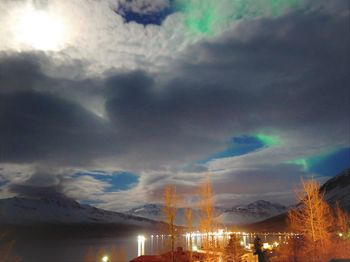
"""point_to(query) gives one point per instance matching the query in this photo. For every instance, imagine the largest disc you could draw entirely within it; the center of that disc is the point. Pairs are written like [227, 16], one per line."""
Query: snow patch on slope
[337, 189]
[241, 214]
[60, 210]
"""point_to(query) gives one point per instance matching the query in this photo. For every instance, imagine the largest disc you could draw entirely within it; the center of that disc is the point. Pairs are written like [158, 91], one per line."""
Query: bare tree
[342, 230]
[6, 249]
[206, 207]
[189, 223]
[290, 252]
[113, 254]
[89, 256]
[102, 251]
[121, 255]
[313, 219]
[342, 220]
[234, 249]
[169, 211]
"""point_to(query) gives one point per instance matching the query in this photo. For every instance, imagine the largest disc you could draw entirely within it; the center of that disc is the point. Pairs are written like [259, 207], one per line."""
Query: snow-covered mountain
[58, 209]
[337, 189]
[241, 214]
[154, 212]
[253, 212]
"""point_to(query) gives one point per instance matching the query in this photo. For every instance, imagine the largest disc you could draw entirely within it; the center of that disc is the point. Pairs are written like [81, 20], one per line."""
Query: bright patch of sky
[239, 146]
[118, 180]
[144, 16]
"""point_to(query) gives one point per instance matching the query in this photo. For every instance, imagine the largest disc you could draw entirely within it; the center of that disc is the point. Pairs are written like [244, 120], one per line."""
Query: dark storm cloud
[39, 126]
[294, 70]
[40, 185]
[290, 74]
[34, 190]
[283, 64]
[19, 72]
[163, 121]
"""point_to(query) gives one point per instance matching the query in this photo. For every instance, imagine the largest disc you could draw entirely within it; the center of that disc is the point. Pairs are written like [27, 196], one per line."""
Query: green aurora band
[308, 162]
[268, 140]
[209, 17]
[303, 162]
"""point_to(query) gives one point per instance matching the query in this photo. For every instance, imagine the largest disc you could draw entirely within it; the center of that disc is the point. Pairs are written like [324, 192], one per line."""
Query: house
[149, 259]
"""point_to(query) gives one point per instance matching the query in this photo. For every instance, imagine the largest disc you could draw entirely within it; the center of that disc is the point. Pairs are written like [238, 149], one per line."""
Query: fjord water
[74, 250]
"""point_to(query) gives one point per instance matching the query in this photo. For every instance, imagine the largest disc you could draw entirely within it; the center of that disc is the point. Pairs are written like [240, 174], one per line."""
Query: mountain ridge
[336, 189]
[239, 214]
[61, 210]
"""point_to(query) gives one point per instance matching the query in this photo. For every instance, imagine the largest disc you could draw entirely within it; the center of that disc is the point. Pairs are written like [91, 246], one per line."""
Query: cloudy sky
[107, 101]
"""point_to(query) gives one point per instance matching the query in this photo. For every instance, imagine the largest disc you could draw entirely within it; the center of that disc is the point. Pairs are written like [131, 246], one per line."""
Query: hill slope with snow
[241, 214]
[57, 209]
[61, 210]
[337, 189]
[253, 212]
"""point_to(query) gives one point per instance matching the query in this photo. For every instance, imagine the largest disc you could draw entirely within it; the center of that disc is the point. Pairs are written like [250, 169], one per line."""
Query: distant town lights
[266, 246]
[141, 238]
[141, 245]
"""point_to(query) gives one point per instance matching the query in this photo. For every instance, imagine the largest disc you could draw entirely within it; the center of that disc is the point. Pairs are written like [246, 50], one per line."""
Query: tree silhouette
[189, 223]
[89, 256]
[233, 250]
[6, 249]
[313, 219]
[342, 230]
[169, 211]
[206, 208]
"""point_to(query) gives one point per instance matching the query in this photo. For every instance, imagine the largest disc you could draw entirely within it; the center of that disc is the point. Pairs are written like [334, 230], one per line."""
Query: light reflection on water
[158, 244]
[141, 245]
[74, 250]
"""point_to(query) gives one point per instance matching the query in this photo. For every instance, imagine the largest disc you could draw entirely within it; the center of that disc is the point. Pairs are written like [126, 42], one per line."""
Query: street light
[141, 245]
[141, 238]
[105, 259]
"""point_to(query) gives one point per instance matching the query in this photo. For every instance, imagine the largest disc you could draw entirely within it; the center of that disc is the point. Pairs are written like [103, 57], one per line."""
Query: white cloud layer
[94, 33]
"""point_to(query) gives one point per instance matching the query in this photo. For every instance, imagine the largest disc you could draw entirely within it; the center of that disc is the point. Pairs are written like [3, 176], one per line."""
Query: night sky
[108, 101]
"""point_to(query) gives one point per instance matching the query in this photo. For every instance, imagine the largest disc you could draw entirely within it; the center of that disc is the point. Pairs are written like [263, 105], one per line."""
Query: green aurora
[209, 17]
[308, 162]
[268, 140]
